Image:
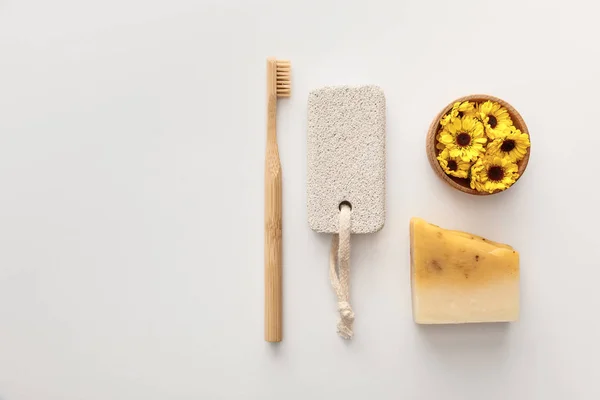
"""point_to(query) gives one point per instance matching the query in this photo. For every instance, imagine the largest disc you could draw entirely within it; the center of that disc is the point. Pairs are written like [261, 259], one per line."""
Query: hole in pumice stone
[345, 203]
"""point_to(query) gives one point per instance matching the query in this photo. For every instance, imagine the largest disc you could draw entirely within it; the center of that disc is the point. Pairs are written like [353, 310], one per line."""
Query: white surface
[131, 163]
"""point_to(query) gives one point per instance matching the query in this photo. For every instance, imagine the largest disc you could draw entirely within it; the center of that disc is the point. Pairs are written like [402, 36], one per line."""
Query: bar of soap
[457, 277]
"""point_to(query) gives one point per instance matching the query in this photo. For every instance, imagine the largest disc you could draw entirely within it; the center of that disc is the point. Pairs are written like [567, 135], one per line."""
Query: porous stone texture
[346, 157]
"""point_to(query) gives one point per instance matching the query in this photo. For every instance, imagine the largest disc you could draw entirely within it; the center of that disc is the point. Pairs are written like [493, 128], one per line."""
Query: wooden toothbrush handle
[273, 306]
[273, 270]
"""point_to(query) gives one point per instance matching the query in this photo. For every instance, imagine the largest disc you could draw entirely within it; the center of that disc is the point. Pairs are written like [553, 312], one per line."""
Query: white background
[132, 140]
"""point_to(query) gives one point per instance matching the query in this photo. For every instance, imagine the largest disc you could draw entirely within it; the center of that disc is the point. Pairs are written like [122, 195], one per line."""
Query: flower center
[463, 139]
[492, 121]
[496, 173]
[508, 145]
[452, 166]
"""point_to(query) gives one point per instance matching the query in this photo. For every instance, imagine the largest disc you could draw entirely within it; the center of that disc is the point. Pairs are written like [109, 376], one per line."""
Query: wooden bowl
[432, 153]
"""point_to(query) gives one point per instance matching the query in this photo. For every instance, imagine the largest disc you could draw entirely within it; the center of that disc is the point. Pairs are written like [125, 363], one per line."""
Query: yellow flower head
[513, 146]
[454, 166]
[493, 173]
[459, 110]
[464, 138]
[495, 118]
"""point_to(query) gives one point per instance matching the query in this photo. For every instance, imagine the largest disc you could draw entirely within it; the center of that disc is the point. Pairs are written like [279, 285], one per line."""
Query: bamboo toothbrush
[278, 85]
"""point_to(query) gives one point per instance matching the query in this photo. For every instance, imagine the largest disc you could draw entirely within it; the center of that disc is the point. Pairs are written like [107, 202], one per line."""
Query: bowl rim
[432, 151]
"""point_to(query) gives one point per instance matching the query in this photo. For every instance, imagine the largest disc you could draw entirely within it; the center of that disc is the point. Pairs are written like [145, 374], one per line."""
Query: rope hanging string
[339, 272]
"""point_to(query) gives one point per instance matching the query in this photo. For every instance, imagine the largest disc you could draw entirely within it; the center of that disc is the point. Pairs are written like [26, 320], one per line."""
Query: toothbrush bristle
[284, 87]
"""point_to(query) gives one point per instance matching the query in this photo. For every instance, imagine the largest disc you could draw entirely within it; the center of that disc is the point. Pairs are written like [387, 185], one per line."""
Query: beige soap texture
[457, 277]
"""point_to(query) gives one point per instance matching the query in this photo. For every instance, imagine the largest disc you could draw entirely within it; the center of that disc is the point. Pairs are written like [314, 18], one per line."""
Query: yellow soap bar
[457, 277]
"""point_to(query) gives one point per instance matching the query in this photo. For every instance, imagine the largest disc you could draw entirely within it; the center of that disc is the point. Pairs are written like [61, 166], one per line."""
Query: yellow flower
[454, 166]
[464, 138]
[495, 118]
[513, 146]
[438, 141]
[459, 110]
[492, 173]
